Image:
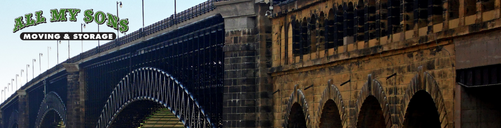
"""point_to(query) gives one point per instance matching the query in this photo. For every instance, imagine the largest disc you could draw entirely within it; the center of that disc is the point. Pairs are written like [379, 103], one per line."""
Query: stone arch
[155, 85]
[13, 119]
[423, 81]
[373, 88]
[331, 92]
[51, 101]
[297, 96]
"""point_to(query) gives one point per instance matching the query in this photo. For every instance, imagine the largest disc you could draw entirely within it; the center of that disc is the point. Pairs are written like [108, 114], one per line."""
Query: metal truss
[52, 101]
[155, 85]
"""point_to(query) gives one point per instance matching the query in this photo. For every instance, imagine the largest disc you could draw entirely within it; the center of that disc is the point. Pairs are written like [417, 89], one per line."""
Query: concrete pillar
[75, 105]
[23, 109]
[247, 91]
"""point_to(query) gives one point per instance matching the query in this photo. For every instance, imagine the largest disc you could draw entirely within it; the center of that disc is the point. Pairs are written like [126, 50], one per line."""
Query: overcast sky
[15, 53]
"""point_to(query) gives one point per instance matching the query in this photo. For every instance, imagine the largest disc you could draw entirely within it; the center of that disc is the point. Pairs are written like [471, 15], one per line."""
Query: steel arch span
[155, 85]
[51, 101]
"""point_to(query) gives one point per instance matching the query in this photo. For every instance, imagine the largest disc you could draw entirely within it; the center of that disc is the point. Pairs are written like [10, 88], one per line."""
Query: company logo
[63, 15]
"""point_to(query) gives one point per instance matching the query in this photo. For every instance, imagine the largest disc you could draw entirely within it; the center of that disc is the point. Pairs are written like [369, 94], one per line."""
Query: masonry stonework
[360, 64]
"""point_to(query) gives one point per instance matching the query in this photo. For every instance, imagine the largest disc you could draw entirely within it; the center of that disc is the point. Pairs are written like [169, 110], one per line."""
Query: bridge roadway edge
[75, 78]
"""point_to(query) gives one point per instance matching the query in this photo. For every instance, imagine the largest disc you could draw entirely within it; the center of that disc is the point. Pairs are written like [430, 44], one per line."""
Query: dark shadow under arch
[155, 85]
[371, 114]
[371, 97]
[51, 102]
[297, 97]
[134, 113]
[51, 119]
[330, 117]
[296, 117]
[421, 112]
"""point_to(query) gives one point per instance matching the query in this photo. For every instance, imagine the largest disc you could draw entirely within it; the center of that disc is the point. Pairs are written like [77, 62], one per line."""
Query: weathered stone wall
[404, 62]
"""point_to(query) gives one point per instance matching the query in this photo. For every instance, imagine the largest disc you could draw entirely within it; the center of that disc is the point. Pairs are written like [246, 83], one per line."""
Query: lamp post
[22, 70]
[118, 3]
[12, 84]
[40, 61]
[48, 48]
[58, 42]
[98, 43]
[27, 66]
[5, 93]
[2, 96]
[81, 30]
[68, 49]
[17, 75]
[33, 66]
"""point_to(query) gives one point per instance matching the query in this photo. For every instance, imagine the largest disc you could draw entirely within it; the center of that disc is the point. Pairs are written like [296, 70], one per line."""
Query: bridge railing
[190, 13]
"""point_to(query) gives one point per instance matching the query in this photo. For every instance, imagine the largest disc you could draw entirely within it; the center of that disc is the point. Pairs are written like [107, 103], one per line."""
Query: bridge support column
[23, 117]
[76, 96]
[247, 91]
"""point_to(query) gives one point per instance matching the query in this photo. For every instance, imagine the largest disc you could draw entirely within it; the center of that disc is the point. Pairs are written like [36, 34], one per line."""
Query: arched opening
[330, 117]
[408, 15]
[145, 113]
[296, 38]
[360, 20]
[312, 34]
[371, 114]
[421, 112]
[15, 125]
[51, 120]
[349, 22]
[394, 16]
[305, 42]
[470, 7]
[421, 13]
[296, 117]
[437, 11]
[339, 31]
[372, 19]
[330, 33]
[383, 18]
[453, 9]
[488, 5]
[320, 32]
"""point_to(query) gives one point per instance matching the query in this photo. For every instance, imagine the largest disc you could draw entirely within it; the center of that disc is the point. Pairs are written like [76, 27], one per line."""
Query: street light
[12, 84]
[22, 70]
[81, 30]
[27, 66]
[5, 93]
[17, 75]
[48, 48]
[40, 61]
[118, 3]
[33, 66]
[68, 49]
[58, 42]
